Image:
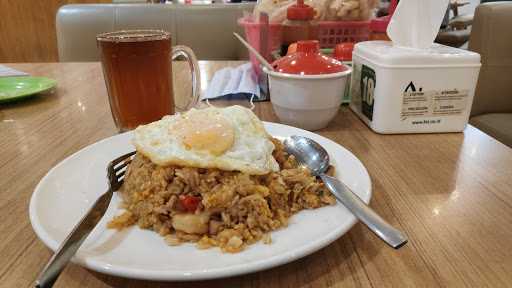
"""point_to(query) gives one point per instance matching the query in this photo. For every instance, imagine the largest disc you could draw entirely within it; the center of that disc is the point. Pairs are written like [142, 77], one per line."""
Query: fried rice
[227, 209]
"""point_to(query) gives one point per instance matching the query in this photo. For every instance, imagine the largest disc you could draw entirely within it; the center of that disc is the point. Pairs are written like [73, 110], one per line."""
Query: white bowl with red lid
[306, 87]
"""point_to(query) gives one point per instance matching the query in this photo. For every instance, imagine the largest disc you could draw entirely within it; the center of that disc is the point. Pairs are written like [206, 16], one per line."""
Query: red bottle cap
[343, 51]
[380, 24]
[300, 11]
[308, 61]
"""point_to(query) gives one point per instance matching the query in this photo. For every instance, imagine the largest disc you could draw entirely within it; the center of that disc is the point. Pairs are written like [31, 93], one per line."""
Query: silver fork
[115, 174]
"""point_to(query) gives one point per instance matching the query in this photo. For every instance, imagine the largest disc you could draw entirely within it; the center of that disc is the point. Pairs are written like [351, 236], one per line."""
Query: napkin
[415, 23]
[7, 71]
[239, 82]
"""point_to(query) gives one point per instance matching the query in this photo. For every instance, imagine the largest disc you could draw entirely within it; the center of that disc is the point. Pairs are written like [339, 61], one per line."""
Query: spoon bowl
[312, 155]
[309, 153]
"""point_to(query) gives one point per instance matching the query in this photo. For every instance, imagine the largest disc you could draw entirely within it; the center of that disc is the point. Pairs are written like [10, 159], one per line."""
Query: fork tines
[117, 169]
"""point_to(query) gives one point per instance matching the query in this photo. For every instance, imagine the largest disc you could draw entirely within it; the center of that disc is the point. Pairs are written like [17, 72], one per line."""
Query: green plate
[15, 88]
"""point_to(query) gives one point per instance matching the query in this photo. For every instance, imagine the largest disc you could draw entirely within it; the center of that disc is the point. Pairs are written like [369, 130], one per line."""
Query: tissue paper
[8, 71]
[233, 81]
[415, 23]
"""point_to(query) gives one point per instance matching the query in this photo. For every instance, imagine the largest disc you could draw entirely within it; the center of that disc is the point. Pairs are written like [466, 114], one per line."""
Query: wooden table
[450, 193]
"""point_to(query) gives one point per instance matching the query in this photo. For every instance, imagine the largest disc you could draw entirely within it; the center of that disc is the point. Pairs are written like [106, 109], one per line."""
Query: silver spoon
[313, 156]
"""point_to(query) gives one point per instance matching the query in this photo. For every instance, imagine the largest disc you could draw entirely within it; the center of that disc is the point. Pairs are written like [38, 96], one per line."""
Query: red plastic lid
[308, 61]
[343, 51]
[300, 11]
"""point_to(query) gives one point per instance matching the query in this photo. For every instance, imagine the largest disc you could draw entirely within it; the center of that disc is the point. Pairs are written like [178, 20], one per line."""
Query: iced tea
[138, 74]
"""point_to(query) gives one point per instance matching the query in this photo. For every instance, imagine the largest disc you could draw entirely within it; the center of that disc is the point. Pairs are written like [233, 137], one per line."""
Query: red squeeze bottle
[299, 25]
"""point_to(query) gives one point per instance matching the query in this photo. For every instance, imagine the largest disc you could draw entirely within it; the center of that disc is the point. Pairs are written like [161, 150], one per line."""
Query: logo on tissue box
[412, 88]
[367, 84]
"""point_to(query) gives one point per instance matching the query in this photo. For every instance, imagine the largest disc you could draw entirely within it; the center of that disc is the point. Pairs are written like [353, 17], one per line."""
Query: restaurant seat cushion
[497, 125]
[207, 29]
[490, 37]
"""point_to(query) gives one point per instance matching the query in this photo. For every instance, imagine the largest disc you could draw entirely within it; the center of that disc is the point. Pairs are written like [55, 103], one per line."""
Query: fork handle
[363, 212]
[68, 248]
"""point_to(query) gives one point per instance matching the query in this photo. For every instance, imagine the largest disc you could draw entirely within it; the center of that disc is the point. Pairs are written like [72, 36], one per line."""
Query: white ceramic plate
[66, 192]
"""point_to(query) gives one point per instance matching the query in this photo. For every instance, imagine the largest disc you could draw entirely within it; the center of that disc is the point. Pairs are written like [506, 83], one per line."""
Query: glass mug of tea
[137, 66]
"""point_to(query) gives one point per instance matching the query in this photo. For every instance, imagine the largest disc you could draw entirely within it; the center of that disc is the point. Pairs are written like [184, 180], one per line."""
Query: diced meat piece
[191, 223]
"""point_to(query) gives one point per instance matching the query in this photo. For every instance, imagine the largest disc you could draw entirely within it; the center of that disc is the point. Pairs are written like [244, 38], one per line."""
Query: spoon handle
[363, 212]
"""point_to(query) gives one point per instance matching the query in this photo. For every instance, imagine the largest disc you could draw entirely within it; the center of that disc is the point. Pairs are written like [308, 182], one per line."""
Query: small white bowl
[306, 101]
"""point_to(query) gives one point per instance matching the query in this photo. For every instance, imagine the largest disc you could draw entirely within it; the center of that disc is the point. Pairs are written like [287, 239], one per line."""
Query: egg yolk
[212, 133]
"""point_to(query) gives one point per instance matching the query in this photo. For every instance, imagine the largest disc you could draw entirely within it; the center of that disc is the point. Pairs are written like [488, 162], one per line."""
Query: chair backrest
[207, 29]
[491, 36]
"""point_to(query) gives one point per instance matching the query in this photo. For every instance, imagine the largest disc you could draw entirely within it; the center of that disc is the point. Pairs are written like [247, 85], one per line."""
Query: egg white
[250, 153]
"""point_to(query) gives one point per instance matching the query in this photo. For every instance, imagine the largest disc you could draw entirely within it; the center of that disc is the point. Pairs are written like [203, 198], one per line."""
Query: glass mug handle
[188, 54]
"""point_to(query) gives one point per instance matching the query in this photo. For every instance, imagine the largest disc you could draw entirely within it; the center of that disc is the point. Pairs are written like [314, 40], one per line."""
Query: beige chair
[207, 29]
[491, 36]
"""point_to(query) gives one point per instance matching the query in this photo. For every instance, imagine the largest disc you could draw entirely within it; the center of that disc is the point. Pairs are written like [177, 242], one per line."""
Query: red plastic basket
[330, 33]
[252, 35]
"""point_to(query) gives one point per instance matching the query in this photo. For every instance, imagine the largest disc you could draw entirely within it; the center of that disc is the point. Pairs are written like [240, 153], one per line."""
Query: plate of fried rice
[174, 222]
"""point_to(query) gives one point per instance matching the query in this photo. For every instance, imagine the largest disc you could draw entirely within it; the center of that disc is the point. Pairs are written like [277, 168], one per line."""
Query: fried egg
[231, 139]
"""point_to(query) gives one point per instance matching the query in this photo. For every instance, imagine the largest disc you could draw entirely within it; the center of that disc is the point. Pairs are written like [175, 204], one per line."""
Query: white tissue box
[405, 90]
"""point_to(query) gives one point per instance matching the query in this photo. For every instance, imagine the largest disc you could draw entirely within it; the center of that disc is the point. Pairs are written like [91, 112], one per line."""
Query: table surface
[450, 193]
